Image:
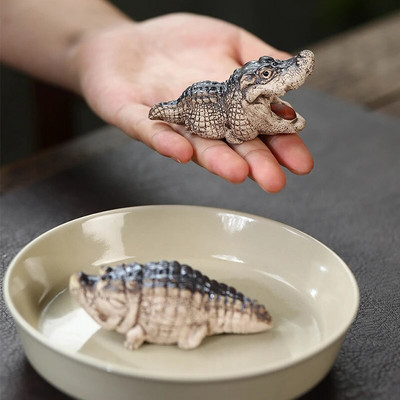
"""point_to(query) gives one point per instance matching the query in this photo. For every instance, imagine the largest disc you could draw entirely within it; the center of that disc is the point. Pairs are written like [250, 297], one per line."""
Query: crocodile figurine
[165, 302]
[245, 105]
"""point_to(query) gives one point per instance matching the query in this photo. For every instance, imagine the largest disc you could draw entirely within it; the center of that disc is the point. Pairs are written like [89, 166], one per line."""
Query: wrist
[41, 39]
[76, 52]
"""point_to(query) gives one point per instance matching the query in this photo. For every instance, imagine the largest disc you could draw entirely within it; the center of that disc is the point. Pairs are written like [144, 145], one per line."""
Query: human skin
[122, 68]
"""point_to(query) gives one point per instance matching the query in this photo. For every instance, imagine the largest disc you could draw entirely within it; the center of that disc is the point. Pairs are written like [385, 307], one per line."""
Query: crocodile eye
[266, 73]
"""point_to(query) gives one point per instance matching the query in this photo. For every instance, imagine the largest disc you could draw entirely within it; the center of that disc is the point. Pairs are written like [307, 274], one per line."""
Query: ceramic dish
[309, 291]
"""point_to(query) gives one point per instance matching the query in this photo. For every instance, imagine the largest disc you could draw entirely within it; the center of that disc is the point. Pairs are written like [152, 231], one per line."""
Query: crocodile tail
[169, 111]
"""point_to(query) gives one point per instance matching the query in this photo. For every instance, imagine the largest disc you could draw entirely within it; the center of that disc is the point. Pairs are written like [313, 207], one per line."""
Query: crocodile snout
[306, 60]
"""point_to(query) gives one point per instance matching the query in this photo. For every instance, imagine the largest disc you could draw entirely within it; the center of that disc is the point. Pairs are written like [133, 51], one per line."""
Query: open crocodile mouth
[282, 109]
[279, 108]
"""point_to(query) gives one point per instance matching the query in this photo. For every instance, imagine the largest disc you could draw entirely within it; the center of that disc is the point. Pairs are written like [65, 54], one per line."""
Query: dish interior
[307, 289]
[65, 324]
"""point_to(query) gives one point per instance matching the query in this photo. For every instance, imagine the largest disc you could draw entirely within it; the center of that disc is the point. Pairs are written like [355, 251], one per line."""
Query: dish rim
[116, 368]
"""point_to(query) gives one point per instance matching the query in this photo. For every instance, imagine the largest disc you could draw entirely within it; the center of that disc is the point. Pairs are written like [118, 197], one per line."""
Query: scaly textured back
[166, 302]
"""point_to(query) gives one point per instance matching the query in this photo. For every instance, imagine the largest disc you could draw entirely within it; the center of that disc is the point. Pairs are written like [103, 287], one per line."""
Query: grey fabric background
[350, 202]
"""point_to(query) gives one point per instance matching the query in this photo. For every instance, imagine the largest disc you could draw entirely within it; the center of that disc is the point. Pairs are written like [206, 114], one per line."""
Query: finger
[250, 47]
[291, 152]
[264, 168]
[217, 157]
[133, 119]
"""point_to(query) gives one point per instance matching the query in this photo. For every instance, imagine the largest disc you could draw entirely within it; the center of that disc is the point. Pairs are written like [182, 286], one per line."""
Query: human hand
[127, 68]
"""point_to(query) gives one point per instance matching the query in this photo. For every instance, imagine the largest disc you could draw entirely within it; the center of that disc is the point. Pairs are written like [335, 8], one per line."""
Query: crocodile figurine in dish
[246, 105]
[165, 302]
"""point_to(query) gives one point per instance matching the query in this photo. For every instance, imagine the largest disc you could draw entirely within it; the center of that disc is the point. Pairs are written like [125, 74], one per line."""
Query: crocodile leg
[240, 129]
[135, 337]
[192, 336]
[206, 119]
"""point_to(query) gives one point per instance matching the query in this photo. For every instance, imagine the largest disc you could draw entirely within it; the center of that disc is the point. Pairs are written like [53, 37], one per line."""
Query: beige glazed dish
[309, 291]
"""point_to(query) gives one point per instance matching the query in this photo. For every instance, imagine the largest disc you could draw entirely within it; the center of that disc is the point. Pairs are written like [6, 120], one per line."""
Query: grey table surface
[350, 202]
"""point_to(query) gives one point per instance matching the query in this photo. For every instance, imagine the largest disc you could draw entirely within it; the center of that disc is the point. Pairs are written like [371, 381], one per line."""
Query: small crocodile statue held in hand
[244, 106]
[166, 302]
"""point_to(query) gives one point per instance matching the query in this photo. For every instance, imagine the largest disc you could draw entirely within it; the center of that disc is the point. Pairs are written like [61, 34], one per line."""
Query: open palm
[127, 69]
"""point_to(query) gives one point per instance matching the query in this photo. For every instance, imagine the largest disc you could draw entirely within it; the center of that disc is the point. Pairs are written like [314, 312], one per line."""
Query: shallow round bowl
[309, 291]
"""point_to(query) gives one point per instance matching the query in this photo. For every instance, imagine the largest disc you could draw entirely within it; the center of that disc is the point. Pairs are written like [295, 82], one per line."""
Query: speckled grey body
[166, 302]
[239, 109]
